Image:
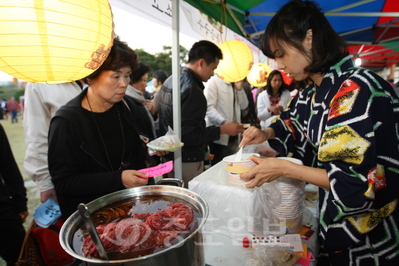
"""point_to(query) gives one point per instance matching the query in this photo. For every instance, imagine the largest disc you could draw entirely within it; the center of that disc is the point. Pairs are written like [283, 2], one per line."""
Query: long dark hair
[268, 86]
[290, 26]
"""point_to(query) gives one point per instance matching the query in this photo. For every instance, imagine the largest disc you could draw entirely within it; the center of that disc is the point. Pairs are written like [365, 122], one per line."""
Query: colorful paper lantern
[237, 61]
[258, 74]
[54, 41]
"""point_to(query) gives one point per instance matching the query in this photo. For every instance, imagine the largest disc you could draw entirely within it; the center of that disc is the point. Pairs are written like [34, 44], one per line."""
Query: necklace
[123, 165]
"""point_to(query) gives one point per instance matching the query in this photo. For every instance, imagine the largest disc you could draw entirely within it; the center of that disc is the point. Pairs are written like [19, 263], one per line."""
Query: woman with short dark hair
[158, 78]
[139, 79]
[344, 128]
[94, 147]
[144, 108]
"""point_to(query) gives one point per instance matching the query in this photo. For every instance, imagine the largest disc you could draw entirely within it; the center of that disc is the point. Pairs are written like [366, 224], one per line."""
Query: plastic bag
[42, 247]
[262, 149]
[275, 208]
[269, 256]
[47, 213]
[235, 210]
[169, 142]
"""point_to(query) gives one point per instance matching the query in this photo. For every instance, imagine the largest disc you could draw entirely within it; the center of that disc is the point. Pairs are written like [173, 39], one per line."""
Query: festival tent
[359, 22]
[184, 19]
[376, 56]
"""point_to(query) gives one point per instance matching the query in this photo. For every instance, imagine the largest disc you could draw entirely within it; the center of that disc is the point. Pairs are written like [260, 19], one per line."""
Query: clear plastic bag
[169, 142]
[262, 149]
[235, 210]
[275, 208]
[269, 256]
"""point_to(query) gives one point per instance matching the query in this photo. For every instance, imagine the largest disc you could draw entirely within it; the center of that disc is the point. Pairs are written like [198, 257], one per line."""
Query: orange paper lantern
[237, 61]
[258, 74]
[54, 41]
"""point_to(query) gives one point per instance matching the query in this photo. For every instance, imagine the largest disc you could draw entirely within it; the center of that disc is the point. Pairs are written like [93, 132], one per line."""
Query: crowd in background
[12, 109]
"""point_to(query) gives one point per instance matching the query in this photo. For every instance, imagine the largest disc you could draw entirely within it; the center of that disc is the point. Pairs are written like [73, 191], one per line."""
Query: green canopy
[231, 14]
[365, 24]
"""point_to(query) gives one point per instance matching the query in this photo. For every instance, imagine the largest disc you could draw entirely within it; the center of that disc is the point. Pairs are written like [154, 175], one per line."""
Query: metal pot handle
[171, 182]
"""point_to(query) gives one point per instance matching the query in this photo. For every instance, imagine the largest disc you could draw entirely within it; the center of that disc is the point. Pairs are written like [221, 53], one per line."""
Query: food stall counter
[225, 240]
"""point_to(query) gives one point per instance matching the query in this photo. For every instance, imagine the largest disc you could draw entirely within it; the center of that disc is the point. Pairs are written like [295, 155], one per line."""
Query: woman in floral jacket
[344, 128]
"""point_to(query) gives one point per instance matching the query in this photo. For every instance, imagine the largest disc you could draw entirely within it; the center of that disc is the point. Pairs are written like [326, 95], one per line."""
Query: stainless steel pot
[188, 252]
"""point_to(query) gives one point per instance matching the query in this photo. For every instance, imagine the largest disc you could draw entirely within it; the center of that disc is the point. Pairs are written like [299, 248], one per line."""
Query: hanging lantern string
[223, 14]
[252, 24]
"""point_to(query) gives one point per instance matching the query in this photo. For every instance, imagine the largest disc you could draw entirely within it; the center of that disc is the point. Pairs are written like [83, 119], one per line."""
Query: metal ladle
[85, 214]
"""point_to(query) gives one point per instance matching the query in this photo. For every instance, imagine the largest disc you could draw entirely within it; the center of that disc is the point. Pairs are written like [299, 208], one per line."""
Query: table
[221, 246]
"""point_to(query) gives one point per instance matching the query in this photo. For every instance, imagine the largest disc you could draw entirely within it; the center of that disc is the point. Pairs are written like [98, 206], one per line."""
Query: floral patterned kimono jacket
[349, 126]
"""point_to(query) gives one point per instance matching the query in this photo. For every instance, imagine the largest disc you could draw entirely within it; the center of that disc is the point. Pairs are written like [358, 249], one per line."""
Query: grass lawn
[15, 134]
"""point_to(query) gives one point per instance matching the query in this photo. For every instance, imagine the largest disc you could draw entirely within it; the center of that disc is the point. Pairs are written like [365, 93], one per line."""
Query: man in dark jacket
[203, 59]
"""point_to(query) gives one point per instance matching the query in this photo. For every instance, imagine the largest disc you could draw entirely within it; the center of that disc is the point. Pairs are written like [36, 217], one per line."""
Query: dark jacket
[141, 119]
[11, 181]
[78, 167]
[249, 115]
[195, 134]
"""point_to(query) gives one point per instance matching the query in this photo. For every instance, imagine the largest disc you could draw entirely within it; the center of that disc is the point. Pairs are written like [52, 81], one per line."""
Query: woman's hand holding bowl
[267, 170]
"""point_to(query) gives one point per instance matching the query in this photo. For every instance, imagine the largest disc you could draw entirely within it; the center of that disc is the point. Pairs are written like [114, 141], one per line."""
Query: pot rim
[74, 220]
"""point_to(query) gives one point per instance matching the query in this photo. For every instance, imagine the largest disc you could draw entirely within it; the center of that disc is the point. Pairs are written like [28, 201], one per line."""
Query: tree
[183, 54]
[162, 60]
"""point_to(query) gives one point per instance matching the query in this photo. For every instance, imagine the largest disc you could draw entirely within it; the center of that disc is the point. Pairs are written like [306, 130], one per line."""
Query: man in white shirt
[41, 103]
[225, 101]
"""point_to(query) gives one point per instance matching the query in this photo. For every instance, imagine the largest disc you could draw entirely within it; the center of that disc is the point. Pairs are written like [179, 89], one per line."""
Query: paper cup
[236, 168]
